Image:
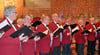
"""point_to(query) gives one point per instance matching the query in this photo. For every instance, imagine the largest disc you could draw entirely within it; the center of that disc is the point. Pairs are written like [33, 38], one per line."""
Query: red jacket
[98, 25]
[9, 45]
[80, 38]
[56, 41]
[28, 48]
[43, 45]
[91, 36]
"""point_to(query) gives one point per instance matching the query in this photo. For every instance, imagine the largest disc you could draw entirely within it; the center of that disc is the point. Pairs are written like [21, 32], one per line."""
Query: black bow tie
[93, 24]
[82, 26]
[57, 23]
[46, 25]
[13, 23]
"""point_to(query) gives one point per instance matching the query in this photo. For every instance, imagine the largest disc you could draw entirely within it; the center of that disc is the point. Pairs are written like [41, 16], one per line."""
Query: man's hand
[64, 31]
[21, 37]
[68, 33]
[51, 34]
[85, 34]
[36, 38]
[26, 39]
[94, 30]
[1, 34]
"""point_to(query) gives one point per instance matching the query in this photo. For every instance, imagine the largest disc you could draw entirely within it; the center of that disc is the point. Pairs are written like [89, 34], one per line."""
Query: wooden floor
[85, 51]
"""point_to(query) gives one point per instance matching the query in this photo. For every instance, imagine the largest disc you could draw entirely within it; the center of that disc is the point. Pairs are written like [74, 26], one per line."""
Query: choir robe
[98, 25]
[90, 36]
[43, 45]
[28, 48]
[9, 45]
[67, 39]
[79, 37]
[56, 41]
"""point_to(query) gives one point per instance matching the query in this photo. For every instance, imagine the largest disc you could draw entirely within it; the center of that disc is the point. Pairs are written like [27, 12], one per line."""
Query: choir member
[98, 35]
[80, 38]
[9, 45]
[91, 37]
[19, 23]
[28, 48]
[67, 38]
[58, 39]
[43, 45]
[18, 26]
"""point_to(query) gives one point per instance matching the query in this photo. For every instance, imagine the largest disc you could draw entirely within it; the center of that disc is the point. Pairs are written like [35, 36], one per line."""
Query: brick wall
[67, 7]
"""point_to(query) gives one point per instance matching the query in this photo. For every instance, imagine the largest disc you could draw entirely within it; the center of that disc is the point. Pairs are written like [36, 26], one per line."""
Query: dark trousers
[99, 47]
[56, 50]
[66, 49]
[80, 49]
[44, 54]
[91, 47]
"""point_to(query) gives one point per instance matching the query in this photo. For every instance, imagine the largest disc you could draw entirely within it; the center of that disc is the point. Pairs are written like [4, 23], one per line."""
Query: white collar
[55, 22]
[9, 20]
[18, 25]
[44, 24]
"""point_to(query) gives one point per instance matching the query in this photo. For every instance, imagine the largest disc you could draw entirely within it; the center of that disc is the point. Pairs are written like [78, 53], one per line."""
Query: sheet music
[3, 24]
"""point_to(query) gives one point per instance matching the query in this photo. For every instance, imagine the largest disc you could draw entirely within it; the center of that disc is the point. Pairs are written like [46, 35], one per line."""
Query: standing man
[58, 39]
[67, 38]
[80, 39]
[9, 45]
[28, 48]
[43, 45]
[98, 35]
[91, 37]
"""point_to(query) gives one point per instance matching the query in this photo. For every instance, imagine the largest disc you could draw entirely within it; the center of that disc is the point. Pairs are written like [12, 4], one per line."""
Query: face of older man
[13, 15]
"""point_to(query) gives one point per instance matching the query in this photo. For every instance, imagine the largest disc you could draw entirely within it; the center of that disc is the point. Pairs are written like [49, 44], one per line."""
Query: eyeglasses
[15, 12]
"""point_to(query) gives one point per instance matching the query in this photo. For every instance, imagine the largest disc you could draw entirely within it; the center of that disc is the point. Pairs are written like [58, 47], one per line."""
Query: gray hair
[8, 10]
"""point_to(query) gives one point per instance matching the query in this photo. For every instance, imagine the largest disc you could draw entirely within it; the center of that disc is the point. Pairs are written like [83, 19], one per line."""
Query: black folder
[74, 32]
[36, 23]
[86, 31]
[57, 32]
[26, 30]
[73, 26]
[5, 28]
[65, 26]
[39, 34]
[87, 23]
[98, 30]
